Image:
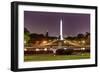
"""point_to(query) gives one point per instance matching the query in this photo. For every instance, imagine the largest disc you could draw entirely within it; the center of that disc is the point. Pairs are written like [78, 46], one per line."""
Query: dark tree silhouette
[26, 31]
[80, 35]
[26, 35]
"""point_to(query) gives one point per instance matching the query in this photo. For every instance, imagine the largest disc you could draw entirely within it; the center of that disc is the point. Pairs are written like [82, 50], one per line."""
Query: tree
[26, 35]
[87, 38]
[36, 36]
[26, 30]
[87, 34]
[80, 36]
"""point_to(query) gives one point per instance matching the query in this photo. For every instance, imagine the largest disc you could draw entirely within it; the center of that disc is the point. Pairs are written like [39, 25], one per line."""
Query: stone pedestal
[60, 44]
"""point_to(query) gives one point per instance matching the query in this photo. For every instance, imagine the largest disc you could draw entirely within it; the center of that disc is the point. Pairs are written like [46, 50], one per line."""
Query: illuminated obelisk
[61, 33]
[60, 42]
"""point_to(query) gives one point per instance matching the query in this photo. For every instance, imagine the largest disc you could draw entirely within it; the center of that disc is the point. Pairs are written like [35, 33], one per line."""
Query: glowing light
[65, 41]
[37, 49]
[83, 41]
[25, 49]
[44, 42]
[65, 48]
[45, 49]
[83, 48]
[61, 35]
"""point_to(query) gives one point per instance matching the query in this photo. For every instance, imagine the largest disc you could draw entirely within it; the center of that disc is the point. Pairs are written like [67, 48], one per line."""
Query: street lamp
[83, 42]
[45, 49]
[37, 49]
[82, 48]
[44, 42]
[25, 49]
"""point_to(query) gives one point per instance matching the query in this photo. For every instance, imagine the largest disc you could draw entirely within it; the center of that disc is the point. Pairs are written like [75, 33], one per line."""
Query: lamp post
[83, 44]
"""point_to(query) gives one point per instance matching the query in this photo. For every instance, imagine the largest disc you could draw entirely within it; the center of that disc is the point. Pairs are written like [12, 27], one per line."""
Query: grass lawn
[48, 57]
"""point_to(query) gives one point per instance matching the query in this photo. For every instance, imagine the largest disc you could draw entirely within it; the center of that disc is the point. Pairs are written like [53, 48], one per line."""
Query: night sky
[41, 22]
